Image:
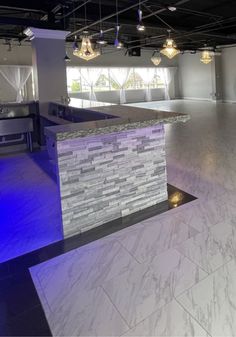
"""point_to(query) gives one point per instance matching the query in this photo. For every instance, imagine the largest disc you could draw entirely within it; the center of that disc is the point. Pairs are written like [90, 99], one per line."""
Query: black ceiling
[193, 24]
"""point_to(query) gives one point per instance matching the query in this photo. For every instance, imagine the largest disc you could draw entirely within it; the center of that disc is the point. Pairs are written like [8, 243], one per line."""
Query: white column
[49, 67]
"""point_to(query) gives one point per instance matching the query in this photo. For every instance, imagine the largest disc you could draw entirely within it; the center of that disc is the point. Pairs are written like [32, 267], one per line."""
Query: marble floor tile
[149, 287]
[211, 248]
[203, 214]
[171, 320]
[157, 235]
[212, 302]
[84, 268]
[82, 313]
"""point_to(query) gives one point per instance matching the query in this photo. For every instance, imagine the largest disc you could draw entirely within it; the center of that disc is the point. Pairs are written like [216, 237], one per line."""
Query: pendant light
[169, 48]
[156, 59]
[118, 44]
[140, 26]
[206, 57]
[101, 39]
[86, 51]
[66, 58]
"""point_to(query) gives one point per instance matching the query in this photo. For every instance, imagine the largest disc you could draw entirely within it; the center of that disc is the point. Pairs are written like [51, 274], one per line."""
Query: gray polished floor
[173, 274]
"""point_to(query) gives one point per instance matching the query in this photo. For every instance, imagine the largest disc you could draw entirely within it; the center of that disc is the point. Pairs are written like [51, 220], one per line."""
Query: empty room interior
[118, 168]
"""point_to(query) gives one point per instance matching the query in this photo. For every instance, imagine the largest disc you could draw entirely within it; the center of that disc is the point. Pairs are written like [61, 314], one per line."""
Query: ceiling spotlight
[172, 8]
[140, 26]
[101, 40]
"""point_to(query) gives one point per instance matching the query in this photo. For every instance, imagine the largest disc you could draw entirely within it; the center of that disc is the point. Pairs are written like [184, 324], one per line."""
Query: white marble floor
[173, 274]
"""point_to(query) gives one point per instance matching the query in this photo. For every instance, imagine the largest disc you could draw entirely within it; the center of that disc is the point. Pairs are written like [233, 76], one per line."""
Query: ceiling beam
[106, 18]
[13, 21]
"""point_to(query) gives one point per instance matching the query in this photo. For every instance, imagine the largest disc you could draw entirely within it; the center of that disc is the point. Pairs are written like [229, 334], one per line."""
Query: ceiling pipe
[186, 35]
[106, 18]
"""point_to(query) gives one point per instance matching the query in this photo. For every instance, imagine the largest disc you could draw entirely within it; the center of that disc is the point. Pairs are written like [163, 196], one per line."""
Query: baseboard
[198, 99]
[228, 101]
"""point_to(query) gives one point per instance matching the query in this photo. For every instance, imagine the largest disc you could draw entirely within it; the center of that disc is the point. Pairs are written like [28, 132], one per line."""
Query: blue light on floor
[29, 205]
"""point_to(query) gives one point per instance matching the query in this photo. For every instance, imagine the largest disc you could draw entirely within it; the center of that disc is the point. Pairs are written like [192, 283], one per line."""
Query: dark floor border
[21, 313]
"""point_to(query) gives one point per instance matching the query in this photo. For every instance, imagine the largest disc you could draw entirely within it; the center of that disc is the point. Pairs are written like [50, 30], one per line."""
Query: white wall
[22, 55]
[229, 74]
[195, 77]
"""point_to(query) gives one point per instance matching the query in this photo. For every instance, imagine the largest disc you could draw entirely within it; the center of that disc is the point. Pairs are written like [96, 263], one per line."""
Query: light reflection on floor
[29, 204]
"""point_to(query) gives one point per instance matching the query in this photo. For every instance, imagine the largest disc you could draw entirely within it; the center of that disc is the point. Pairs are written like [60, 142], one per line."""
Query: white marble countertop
[127, 117]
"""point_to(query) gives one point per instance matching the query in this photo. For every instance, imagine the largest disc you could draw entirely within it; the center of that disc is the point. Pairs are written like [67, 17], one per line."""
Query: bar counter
[111, 167]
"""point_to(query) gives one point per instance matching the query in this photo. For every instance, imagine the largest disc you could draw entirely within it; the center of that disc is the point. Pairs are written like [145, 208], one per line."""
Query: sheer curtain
[167, 75]
[120, 76]
[91, 76]
[17, 77]
[147, 75]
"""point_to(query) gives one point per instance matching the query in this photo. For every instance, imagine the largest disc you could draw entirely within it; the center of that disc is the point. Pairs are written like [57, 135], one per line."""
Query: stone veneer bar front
[111, 168]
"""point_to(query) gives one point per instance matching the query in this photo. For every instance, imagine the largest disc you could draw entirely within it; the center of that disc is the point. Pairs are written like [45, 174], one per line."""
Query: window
[77, 82]
[103, 82]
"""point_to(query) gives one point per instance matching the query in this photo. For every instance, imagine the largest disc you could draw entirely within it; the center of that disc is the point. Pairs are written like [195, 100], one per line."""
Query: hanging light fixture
[86, 51]
[67, 58]
[206, 57]
[101, 39]
[156, 59]
[140, 26]
[169, 48]
[118, 44]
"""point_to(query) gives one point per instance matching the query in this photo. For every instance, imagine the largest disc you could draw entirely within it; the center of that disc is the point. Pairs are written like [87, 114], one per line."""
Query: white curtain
[167, 76]
[91, 76]
[120, 76]
[17, 77]
[147, 75]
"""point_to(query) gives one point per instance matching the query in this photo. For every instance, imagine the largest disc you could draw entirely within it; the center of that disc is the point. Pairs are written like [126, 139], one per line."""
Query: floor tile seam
[193, 318]
[194, 262]
[115, 307]
[204, 279]
[139, 262]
